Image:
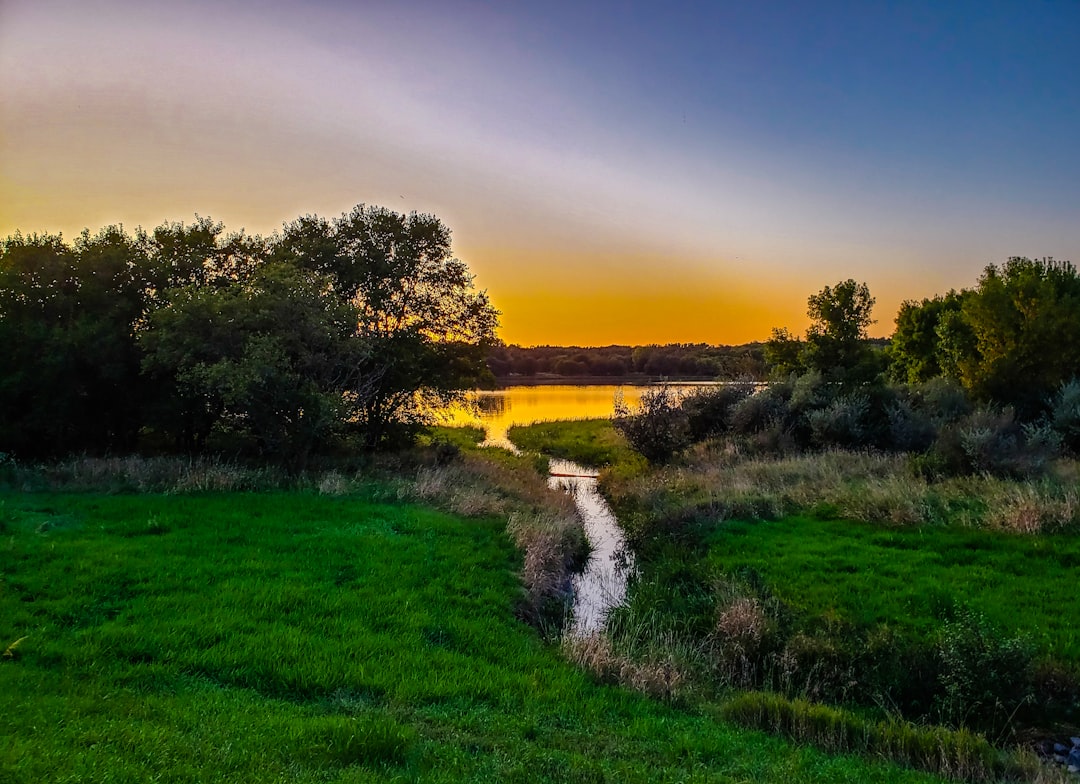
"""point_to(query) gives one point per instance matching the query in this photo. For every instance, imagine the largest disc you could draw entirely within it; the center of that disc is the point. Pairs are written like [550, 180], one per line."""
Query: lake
[497, 410]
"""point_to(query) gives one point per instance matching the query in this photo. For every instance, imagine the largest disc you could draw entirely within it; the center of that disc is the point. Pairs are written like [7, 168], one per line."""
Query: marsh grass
[719, 483]
[588, 442]
[542, 522]
[955, 754]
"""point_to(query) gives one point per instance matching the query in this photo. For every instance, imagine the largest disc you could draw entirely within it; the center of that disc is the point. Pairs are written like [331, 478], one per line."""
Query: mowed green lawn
[297, 637]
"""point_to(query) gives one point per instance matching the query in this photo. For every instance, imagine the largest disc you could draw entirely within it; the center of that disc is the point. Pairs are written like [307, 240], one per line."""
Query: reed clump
[956, 754]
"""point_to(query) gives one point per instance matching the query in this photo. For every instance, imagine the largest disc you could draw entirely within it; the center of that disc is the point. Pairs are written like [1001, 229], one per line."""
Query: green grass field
[910, 577]
[288, 636]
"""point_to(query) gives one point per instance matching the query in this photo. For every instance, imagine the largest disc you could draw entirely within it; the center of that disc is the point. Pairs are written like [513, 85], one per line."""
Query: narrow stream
[602, 584]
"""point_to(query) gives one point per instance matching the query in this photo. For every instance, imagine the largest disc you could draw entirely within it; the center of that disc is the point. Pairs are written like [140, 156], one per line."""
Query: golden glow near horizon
[593, 211]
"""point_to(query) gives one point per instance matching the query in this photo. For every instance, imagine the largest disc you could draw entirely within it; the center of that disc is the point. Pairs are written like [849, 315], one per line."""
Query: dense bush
[708, 410]
[659, 428]
[1065, 414]
[767, 409]
[985, 676]
[991, 441]
[843, 423]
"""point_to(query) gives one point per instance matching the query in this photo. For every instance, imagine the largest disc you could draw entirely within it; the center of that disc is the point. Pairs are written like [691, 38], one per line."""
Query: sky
[613, 172]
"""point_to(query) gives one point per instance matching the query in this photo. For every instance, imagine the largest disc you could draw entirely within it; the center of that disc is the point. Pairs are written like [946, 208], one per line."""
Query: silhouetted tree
[836, 343]
[426, 330]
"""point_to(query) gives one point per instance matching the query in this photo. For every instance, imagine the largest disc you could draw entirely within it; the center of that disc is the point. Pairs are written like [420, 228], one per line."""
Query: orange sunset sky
[612, 172]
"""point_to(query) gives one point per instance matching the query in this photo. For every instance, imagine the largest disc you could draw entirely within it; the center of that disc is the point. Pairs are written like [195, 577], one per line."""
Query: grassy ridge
[292, 636]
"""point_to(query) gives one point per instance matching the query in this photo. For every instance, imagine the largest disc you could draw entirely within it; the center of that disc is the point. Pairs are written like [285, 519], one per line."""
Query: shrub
[991, 441]
[762, 411]
[985, 677]
[708, 411]
[910, 430]
[941, 400]
[659, 429]
[1065, 414]
[842, 423]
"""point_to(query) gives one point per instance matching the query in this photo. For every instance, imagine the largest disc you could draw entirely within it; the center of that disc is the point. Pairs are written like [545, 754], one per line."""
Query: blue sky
[613, 172]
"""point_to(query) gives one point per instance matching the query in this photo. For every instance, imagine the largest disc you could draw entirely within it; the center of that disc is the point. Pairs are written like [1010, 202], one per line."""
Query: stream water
[602, 584]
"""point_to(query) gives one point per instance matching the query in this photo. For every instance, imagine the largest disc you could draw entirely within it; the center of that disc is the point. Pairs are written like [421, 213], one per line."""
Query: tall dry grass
[717, 483]
[136, 474]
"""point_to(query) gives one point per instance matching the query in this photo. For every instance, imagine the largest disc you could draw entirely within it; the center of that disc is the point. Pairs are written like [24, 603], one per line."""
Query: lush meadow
[344, 634]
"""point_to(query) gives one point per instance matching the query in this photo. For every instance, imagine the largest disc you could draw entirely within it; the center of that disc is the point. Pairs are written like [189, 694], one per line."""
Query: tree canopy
[1013, 339]
[836, 344]
[330, 328]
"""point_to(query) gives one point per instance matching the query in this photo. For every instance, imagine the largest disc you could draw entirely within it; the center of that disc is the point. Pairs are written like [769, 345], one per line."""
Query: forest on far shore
[674, 360]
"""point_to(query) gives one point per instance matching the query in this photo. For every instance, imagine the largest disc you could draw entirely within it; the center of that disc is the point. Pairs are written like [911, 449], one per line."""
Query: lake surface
[497, 410]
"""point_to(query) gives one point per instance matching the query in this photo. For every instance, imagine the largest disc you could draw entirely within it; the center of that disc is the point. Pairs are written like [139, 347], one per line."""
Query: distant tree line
[675, 360]
[329, 331]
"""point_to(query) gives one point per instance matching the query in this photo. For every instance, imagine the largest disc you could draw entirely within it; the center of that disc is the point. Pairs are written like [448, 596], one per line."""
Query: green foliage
[423, 328]
[1065, 414]
[709, 410]
[268, 355]
[659, 428]
[991, 441]
[843, 423]
[836, 342]
[69, 372]
[1024, 323]
[672, 361]
[187, 332]
[915, 351]
[784, 353]
[767, 409]
[986, 676]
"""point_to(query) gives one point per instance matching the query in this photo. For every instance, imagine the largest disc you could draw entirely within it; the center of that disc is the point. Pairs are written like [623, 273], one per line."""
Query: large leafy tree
[1023, 332]
[268, 355]
[69, 369]
[917, 351]
[424, 328]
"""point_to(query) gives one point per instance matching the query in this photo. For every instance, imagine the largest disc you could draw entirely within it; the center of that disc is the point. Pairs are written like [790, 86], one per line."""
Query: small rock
[1073, 769]
[1075, 742]
[1059, 759]
[1060, 748]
